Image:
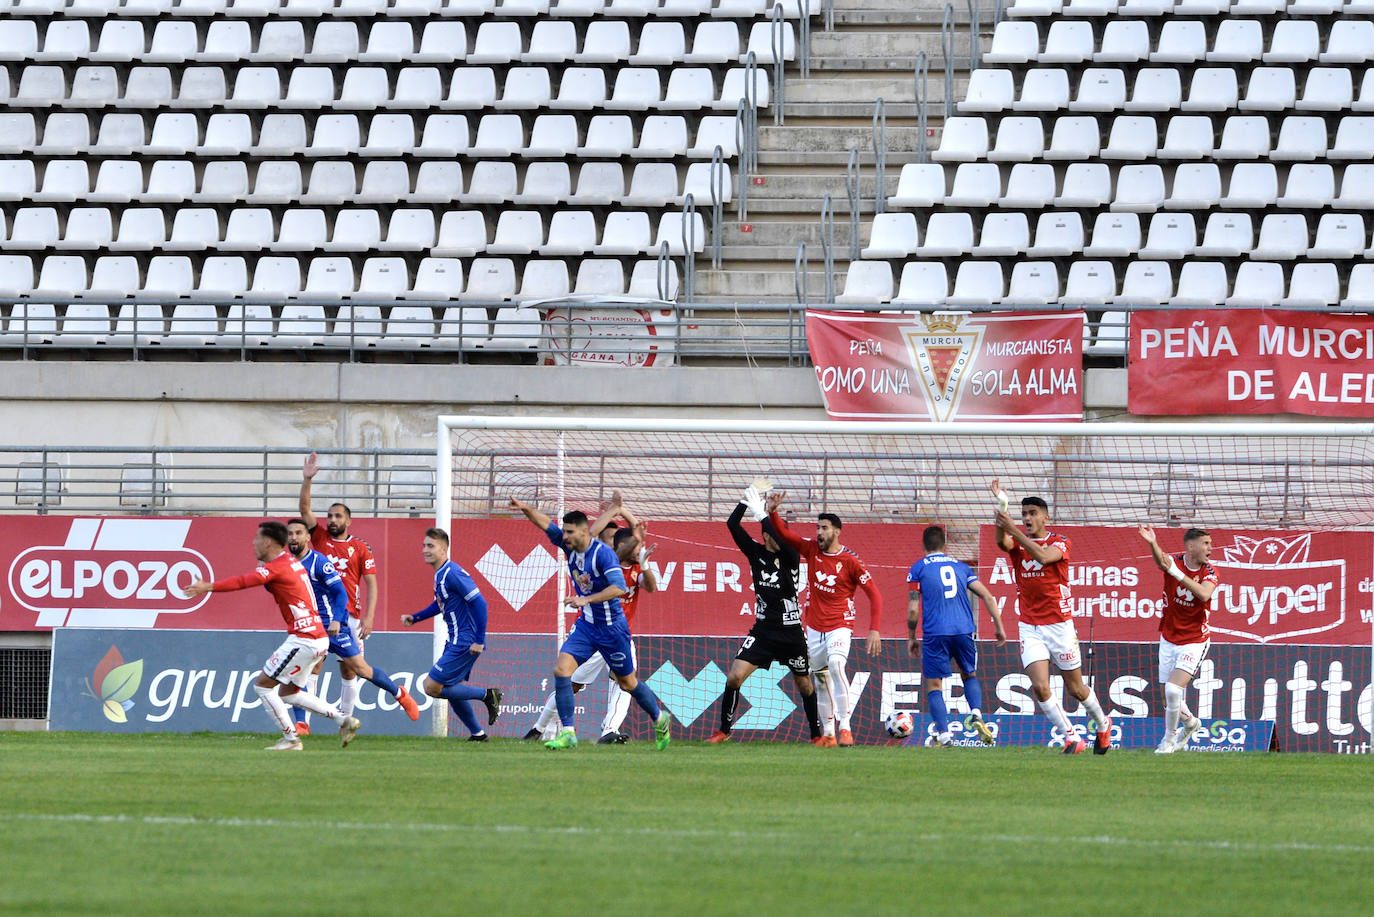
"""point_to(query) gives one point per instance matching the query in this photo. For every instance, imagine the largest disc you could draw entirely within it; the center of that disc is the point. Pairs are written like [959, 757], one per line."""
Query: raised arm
[781, 532]
[539, 520]
[613, 509]
[1203, 591]
[1004, 525]
[742, 540]
[308, 472]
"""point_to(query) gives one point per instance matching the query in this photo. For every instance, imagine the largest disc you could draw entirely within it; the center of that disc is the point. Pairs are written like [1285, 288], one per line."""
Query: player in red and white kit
[1184, 635]
[284, 674]
[833, 575]
[628, 543]
[353, 559]
[1040, 562]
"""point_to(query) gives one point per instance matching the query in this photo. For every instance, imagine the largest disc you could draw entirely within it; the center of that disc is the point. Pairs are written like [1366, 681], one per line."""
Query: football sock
[728, 702]
[813, 715]
[1094, 709]
[312, 683]
[839, 687]
[462, 692]
[548, 714]
[382, 680]
[276, 709]
[617, 707]
[464, 711]
[644, 696]
[1173, 704]
[348, 695]
[938, 712]
[973, 694]
[1055, 713]
[313, 704]
[567, 710]
[825, 703]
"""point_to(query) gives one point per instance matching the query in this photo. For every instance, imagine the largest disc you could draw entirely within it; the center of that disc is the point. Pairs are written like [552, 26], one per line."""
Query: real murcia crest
[942, 356]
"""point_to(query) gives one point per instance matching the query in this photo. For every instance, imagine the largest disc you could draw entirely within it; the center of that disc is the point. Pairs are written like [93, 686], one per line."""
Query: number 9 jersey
[943, 583]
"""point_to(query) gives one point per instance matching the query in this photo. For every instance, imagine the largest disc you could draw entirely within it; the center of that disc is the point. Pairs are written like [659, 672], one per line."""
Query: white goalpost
[1246, 475]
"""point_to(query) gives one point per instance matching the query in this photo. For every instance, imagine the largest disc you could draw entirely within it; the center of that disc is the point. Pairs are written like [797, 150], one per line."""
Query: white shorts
[1056, 643]
[353, 625]
[822, 644]
[293, 661]
[1187, 657]
[595, 666]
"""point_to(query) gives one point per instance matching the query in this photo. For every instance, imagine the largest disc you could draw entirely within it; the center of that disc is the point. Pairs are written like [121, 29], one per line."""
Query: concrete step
[883, 45]
[812, 158]
[793, 187]
[833, 139]
[750, 285]
[862, 90]
[932, 8]
[880, 13]
[785, 234]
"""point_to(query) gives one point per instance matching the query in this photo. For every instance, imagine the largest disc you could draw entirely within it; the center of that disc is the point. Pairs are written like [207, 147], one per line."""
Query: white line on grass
[1017, 839]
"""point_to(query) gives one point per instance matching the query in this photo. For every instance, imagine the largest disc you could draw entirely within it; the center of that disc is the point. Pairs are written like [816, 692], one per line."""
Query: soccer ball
[899, 724]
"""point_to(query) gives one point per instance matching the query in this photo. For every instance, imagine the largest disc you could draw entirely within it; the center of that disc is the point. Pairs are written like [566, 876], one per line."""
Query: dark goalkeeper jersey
[775, 576]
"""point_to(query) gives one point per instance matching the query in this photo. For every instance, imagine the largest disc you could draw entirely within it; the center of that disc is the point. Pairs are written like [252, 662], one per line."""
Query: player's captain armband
[1003, 501]
[1174, 571]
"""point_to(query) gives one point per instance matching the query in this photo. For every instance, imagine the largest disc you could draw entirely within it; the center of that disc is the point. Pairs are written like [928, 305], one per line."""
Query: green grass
[212, 824]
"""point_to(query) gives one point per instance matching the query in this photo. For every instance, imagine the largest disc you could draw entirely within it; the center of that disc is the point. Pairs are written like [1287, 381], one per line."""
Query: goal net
[1290, 508]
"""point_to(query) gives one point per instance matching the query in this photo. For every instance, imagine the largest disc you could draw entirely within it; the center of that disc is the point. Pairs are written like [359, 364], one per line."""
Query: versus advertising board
[1317, 697]
[1240, 361]
[948, 366]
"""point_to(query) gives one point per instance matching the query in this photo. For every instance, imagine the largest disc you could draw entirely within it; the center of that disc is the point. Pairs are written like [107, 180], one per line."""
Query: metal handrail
[663, 270]
[743, 167]
[778, 42]
[828, 9]
[879, 156]
[717, 183]
[804, 37]
[799, 268]
[689, 250]
[921, 92]
[975, 53]
[997, 13]
[851, 183]
[751, 106]
[947, 46]
[828, 246]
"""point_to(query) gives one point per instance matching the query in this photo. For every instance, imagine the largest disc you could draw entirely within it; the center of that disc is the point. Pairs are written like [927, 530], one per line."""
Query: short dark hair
[612, 526]
[274, 530]
[343, 506]
[575, 517]
[831, 518]
[437, 535]
[933, 538]
[1035, 501]
[298, 521]
[622, 535]
[1195, 533]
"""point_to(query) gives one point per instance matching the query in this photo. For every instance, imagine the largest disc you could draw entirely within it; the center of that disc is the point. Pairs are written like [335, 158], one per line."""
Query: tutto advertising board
[1276, 586]
[948, 366]
[1316, 697]
[1241, 361]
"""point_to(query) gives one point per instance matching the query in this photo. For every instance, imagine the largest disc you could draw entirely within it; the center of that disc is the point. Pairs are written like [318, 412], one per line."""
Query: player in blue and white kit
[601, 628]
[457, 598]
[939, 611]
[331, 597]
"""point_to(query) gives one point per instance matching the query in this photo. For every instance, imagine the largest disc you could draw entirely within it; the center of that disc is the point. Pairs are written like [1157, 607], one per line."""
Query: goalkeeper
[777, 632]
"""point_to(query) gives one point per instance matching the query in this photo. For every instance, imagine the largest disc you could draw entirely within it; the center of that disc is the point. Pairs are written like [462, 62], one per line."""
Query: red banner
[948, 366]
[1276, 587]
[130, 572]
[1209, 361]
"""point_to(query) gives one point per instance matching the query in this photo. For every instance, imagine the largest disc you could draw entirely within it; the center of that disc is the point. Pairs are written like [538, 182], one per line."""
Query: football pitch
[212, 824]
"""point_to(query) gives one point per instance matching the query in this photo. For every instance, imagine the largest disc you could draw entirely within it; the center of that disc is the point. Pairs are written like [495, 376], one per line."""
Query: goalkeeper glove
[753, 501]
[1003, 501]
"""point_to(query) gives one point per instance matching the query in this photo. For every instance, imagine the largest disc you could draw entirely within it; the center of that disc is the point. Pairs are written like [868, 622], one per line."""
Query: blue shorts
[938, 649]
[612, 641]
[343, 644]
[455, 665]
